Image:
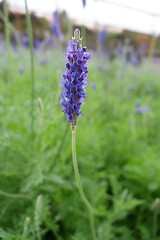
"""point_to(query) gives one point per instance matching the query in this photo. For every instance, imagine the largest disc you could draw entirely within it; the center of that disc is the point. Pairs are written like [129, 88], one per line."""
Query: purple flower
[134, 59]
[47, 42]
[93, 85]
[43, 62]
[15, 48]
[100, 68]
[148, 90]
[21, 70]
[55, 26]
[36, 44]
[137, 103]
[84, 3]
[143, 48]
[156, 60]
[102, 36]
[131, 88]
[25, 41]
[119, 50]
[141, 110]
[74, 79]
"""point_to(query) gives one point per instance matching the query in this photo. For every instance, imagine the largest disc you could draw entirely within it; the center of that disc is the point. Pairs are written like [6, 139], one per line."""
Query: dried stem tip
[77, 38]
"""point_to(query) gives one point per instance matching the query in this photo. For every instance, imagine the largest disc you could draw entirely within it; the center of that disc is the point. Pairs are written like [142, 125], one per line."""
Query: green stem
[80, 187]
[11, 28]
[37, 216]
[29, 26]
[7, 37]
[6, 23]
[153, 45]
[12, 195]
[155, 218]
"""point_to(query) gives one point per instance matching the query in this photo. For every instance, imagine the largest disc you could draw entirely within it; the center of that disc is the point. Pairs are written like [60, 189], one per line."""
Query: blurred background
[135, 20]
[118, 141]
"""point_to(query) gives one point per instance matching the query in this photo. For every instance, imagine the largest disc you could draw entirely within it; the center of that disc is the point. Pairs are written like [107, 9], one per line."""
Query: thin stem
[25, 229]
[37, 216]
[80, 187]
[6, 23]
[155, 218]
[11, 28]
[152, 47]
[29, 26]
[7, 37]
[12, 195]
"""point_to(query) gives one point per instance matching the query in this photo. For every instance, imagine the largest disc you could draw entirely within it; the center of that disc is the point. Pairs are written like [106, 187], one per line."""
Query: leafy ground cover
[118, 150]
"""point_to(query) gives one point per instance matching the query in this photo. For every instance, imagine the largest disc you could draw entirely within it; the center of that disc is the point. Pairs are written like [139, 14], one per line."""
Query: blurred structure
[55, 26]
[59, 24]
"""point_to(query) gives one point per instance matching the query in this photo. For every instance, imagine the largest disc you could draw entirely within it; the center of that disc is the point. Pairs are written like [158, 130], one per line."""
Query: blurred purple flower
[25, 41]
[148, 90]
[36, 44]
[55, 26]
[93, 85]
[131, 87]
[134, 59]
[47, 42]
[137, 103]
[143, 49]
[21, 70]
[141, 110]
[15, 48]
[102, 36]
[43, 62]
[119, 50]
[100, 69]
[84, 3]
[156, 60]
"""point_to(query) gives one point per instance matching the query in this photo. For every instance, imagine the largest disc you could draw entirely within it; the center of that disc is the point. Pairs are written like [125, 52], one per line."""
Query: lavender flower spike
[74, 79]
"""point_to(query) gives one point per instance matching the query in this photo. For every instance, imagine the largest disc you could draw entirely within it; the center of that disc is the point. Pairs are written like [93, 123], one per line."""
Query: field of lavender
[118, 150]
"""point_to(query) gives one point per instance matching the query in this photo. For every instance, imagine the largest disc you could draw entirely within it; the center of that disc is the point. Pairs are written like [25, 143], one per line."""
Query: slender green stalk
[84, 34]
[7, 38]
[11, 28]
[6, 23]
[37, 216]
[25, 229]
[29, 26]
[155, 227]
[12, 195]
[153, 45]
[80, 187]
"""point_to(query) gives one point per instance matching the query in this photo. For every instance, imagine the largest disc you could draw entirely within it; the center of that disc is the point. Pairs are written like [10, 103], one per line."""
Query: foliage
[118, 153]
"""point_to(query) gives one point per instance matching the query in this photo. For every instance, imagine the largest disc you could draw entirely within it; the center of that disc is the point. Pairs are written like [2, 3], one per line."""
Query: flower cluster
[141, 110]
[74, 79]
[84, 3]
[102, 36]
[55, 26]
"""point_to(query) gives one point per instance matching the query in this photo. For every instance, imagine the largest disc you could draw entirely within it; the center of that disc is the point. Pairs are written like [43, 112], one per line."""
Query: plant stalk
[29, 26]
[80, 187]
[7, 38]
